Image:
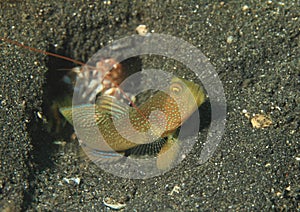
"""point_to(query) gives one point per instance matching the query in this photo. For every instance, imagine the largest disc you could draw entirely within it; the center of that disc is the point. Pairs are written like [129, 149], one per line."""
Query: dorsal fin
[106, 107]
[84, 114]
[110, 105]
[67, 113]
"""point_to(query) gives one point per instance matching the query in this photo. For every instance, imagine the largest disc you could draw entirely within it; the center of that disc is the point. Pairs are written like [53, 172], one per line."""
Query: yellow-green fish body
[124, 127]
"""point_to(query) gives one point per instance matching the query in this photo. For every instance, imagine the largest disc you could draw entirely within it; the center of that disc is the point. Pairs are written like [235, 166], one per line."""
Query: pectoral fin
[168, 153]
[151, 149]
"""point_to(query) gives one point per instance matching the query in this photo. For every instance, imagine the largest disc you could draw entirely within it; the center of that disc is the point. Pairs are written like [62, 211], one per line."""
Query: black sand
[252, 169]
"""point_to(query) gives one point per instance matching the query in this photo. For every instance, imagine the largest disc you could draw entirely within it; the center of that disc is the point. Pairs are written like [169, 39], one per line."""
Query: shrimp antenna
[41, 51]
[67, 59]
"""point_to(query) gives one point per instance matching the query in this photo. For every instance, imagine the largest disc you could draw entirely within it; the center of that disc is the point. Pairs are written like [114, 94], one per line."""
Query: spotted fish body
[124, 127]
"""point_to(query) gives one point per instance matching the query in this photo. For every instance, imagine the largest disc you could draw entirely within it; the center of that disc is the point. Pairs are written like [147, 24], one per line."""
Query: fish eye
[176, 88]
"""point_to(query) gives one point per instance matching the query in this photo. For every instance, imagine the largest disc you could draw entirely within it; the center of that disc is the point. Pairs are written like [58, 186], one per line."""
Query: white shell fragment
[76, 180]
[176, 189]
[109, 202]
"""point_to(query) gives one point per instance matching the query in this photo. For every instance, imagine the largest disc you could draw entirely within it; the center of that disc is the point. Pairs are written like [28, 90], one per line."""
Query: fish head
[187, 94]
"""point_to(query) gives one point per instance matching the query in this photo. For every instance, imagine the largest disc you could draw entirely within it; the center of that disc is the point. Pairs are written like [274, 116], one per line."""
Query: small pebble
[260, 121]
[245, 8]
[142, 30]
[229, 39]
